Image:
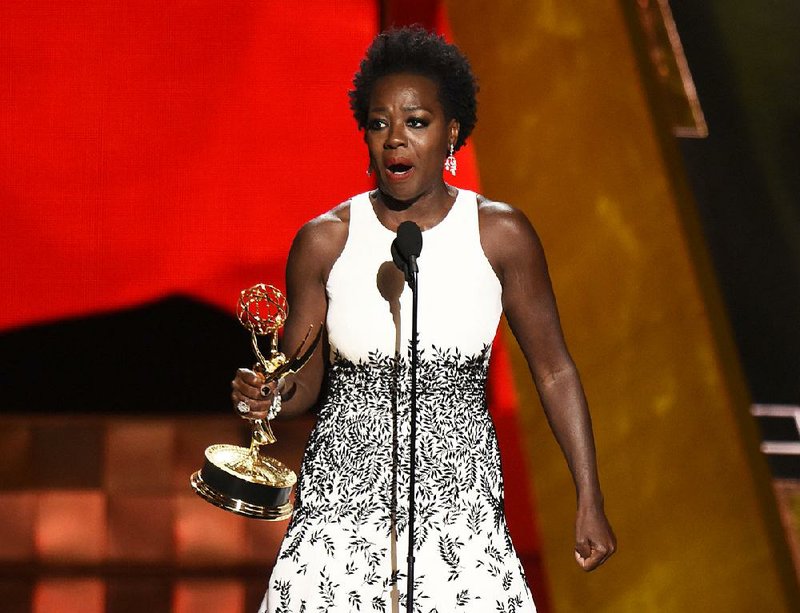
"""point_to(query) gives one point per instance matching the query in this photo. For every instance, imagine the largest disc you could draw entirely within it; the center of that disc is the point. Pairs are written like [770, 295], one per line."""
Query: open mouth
[399, 169]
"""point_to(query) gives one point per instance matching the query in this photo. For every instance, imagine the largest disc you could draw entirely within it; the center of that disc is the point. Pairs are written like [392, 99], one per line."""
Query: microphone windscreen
[397, 258]
[409, 240]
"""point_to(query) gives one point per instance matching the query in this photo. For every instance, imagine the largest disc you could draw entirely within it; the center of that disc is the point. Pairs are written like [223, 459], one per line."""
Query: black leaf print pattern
[292, 550]
[344, 548]
[475, 518]
[319, 536]
[448, 548]
[358, 544]
[354, 598]
[493, 553]
[512, 605]
[327, 592]
[371, 578]
[283, 588]
[450, 517]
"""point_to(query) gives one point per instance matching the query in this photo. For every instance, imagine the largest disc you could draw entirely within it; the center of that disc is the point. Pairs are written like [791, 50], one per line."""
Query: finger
[250, 377]
[255, 404]
[256, 409]
[268, 390]
[246, 389]
[583, 552]
[252, 415]
[595, 560]
[598, 556]
[583, 548]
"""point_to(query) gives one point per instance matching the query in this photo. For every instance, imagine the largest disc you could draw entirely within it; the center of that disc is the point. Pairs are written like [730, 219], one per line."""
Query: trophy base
[231, 480]
[240, 507]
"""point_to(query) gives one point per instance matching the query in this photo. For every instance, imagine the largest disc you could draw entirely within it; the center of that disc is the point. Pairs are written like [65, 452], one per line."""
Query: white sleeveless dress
[345, 547]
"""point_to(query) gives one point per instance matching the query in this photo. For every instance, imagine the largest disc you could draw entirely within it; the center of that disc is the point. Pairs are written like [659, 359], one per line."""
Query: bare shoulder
[324, 232]
[320, 240]
[505, 230]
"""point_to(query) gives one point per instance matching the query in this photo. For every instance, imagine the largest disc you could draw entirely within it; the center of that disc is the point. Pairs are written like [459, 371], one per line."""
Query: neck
[428, 204]
[426, 209]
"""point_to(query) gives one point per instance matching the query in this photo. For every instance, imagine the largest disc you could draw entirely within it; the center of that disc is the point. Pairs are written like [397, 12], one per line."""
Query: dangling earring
[450, 163]
[369, 170]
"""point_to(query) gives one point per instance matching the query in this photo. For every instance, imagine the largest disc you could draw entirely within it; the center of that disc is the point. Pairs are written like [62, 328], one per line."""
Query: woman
[345, 548]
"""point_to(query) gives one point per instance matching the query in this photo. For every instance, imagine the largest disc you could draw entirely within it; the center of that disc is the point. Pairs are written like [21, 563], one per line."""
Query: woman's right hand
[251, 397]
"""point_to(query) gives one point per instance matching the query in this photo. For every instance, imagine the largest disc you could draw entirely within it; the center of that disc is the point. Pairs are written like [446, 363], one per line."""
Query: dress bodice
[369, 304]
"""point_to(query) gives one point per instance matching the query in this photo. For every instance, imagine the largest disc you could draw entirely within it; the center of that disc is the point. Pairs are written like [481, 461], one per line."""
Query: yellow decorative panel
[566, 133]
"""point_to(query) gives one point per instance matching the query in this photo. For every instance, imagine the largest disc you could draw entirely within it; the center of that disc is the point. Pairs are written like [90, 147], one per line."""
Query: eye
[417, 122]
[375, 124]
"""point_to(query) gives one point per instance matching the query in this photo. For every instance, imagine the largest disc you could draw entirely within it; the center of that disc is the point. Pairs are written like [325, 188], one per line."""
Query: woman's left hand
[594, 539]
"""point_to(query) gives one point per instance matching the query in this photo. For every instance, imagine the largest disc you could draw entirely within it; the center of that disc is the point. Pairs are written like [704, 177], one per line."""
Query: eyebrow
[406, 109]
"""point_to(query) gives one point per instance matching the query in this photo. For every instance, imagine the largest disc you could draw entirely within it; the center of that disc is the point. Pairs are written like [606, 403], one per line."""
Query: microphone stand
[405, 249]
[411, 277]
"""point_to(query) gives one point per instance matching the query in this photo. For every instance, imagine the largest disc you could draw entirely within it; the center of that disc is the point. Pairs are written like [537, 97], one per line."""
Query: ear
[452, 129]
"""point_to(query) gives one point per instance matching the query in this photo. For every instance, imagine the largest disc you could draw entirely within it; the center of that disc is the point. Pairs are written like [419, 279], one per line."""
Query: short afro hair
[418, 51]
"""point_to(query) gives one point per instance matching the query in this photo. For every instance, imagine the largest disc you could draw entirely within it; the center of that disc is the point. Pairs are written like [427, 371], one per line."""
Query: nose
[395, 136]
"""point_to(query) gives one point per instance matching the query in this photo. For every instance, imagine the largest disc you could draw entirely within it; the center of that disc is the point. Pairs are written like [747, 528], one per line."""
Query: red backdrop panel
[155, 147]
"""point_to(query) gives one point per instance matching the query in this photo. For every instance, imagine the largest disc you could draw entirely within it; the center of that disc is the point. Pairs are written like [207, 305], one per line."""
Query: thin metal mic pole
[405, 250]
[413, 446]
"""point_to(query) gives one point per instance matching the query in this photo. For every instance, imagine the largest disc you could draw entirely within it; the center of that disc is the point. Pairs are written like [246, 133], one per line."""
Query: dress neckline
[374, 216]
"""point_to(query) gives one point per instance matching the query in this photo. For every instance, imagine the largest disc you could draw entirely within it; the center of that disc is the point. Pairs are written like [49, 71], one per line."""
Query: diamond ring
[243, 407]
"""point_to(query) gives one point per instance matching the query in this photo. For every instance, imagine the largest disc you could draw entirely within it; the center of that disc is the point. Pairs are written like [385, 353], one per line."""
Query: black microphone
[406, 249]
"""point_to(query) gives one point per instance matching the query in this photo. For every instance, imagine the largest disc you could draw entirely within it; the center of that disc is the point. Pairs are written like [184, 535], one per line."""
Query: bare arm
[516, 254]
[314, 250]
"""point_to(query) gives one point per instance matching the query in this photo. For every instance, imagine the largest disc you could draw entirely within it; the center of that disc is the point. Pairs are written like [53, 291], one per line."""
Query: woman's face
[408, 135]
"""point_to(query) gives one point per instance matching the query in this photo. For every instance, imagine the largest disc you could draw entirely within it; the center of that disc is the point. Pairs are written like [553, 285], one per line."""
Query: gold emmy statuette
[244, 480]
